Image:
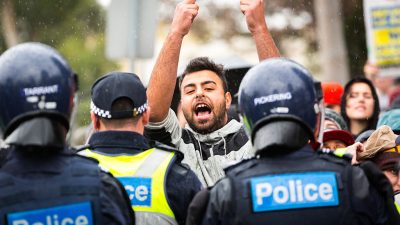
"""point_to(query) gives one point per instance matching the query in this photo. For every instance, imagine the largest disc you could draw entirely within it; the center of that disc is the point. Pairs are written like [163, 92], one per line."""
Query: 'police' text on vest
[73, 214]
[296, 190]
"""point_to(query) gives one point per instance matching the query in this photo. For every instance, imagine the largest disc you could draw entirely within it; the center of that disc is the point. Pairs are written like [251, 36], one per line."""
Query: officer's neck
[120, 125]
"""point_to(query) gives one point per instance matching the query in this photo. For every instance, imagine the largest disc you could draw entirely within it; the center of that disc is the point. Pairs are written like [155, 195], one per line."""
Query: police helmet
[282, 92]
[35, 81]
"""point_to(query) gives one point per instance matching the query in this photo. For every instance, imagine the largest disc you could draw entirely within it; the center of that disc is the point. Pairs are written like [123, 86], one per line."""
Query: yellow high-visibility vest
[397, 207]
[143, 176]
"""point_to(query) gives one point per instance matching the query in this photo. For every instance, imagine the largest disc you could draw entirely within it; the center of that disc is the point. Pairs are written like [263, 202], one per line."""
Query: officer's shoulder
[73, 151]
[79, 148]
[331, 156]
[240, 166]
[181, 169]
[161, 146]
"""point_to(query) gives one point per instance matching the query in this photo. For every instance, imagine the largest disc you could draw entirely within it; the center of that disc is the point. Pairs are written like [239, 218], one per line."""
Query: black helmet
[35, 80]
[280, 90]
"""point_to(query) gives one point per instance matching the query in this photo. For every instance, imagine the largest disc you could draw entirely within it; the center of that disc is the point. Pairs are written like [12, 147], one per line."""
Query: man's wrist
[260, 29]
[174, 34]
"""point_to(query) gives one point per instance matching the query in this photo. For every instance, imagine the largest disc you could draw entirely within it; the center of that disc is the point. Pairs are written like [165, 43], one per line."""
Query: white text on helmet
[41, 90]
[272, 98]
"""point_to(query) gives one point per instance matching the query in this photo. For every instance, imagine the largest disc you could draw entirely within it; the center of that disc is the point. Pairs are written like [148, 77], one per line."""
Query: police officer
[288, 182]
[42, 181]
[159, 186]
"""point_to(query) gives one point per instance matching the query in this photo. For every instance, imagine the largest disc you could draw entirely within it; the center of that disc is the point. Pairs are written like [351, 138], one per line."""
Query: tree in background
[355, 35]
[74, 27]
[227, 23]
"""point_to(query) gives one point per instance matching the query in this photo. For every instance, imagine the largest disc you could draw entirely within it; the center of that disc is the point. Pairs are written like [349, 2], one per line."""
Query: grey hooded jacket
[206, 154]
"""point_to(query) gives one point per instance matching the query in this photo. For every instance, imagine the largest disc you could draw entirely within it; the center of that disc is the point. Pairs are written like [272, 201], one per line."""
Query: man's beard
[216, 123]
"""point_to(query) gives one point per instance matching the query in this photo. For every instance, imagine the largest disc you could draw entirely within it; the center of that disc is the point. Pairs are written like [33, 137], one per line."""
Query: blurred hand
[254, 12]
[185, 12]
[354, 149]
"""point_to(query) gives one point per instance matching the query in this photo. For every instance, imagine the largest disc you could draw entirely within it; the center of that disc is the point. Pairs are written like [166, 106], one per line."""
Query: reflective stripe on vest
[150, 165]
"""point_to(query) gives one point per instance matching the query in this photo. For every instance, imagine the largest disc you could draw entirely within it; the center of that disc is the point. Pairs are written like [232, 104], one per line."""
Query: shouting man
[209, 141]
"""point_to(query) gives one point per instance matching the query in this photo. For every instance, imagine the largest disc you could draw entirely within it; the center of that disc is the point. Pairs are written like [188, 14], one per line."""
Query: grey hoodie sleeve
[167, 131]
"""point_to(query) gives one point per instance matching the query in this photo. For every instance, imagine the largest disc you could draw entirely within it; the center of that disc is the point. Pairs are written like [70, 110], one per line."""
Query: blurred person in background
[394, 95]
[363, 137]
[332, 95]
[383, 149]
[397, 197]
[335, 139]
[390, 118]
[336, 136]
[382, 84]
[360, 106]
[334, 120]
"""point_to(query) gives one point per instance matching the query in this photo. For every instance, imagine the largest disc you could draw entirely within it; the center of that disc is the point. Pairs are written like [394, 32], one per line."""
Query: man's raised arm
[163, 77]
[255, 19]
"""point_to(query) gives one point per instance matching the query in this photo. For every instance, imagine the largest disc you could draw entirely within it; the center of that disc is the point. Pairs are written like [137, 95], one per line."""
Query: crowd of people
[304, 152]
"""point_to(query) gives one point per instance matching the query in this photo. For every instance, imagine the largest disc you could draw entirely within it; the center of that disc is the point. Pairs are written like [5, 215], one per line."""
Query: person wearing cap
[334, 120]
[334, 139]
[159, 186]
[42, 180]
[332, 93]
[336, 136]
[383, 148]
[210, 141]
[342, 143]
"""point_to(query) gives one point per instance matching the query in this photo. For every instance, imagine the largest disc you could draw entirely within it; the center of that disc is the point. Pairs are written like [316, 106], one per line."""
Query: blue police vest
[306, 190]
[64, 190]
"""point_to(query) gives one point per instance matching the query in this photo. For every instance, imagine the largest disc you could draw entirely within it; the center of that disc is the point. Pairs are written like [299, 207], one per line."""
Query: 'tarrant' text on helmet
[279, 101]
[37, 89]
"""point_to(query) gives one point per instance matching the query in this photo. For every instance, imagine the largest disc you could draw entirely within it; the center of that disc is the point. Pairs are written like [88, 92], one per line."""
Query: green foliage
[76, 29]
[50, 21]
[87, 59]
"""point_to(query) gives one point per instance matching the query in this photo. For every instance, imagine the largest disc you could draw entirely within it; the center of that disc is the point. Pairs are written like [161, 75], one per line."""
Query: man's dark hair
[204, 63]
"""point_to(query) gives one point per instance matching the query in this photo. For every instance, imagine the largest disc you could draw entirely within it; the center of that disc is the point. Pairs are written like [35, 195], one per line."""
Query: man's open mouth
[202, 110]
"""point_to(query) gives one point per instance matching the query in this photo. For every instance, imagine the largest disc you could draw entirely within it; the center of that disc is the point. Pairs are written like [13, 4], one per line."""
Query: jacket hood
[232, 126]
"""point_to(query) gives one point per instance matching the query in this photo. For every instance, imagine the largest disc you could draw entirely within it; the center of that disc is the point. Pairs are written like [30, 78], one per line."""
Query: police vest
[309, 190]
[64, 190]
[144, 178]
